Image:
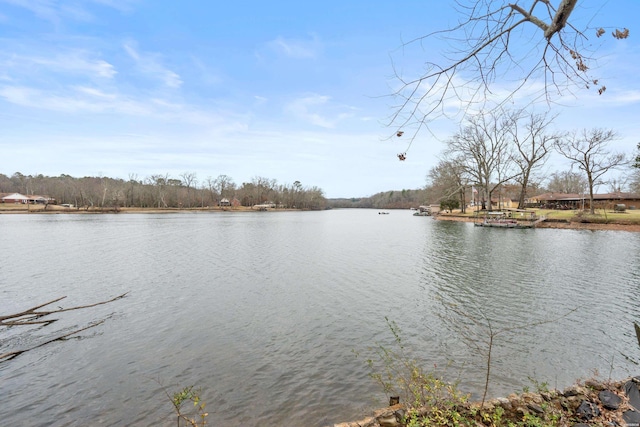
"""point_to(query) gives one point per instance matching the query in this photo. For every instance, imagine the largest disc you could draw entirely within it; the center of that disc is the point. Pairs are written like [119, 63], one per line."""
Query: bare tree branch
[488, 49]
[588, 150]
[28, 316]
[11, 354]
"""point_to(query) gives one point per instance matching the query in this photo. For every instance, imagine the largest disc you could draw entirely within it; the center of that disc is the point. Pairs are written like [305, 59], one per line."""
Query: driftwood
[32, 316]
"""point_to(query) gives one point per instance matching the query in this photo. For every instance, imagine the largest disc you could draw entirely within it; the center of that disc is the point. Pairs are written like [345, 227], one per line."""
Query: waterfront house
[15, 198]
[580, 201]
[20, 198]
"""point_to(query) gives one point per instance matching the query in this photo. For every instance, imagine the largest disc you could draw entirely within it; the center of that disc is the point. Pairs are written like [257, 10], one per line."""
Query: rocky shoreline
[592, 403]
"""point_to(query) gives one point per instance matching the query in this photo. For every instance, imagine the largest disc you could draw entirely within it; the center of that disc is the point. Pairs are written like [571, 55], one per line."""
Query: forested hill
[403, 199]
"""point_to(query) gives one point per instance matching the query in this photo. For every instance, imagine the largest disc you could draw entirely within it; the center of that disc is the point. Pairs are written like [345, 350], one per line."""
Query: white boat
[423, 211]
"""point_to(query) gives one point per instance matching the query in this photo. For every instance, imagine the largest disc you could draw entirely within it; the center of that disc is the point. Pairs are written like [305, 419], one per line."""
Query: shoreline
[55, 209]
[590, 403]
[557, 224]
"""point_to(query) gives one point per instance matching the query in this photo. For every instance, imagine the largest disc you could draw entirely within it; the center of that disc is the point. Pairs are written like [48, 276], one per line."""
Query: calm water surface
[264, 311]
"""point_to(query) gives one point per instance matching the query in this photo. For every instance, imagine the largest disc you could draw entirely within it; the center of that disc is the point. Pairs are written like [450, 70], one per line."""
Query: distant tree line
[402, 199]
[163, 191]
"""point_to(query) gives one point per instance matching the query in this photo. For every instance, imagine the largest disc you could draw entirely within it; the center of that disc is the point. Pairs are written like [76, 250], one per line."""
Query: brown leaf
[621, 34]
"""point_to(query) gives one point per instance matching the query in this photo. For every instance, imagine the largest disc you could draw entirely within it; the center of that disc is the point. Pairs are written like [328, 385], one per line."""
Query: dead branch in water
[11, 354]
[30, 316]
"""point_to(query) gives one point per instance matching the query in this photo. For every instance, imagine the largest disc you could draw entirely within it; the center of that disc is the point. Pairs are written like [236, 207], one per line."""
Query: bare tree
[133, 182]
[516, 42]
[588, 150]
[223, 184]
[189, 179]
[160, 183]
[531, 146]
[483, 153]
[634, 184]
[567, 182]
[447, 179]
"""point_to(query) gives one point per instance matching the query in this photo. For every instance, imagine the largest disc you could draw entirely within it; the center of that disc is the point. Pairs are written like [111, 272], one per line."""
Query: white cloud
[74, 62]
[44, 9]
[82, 100]
[121, 5]
[95, 92]
[150, 64]
[302, 108]
[55, 11]
[296, 48]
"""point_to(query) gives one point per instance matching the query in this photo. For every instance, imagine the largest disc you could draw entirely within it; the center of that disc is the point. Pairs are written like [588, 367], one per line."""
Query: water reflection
[264, 311]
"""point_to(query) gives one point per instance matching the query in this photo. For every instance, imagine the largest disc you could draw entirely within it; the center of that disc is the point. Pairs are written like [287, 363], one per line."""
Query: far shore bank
[573, 225]
[56, 209]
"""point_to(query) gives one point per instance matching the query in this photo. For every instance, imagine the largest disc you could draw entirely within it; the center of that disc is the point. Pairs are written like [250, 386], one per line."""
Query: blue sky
[287, 90]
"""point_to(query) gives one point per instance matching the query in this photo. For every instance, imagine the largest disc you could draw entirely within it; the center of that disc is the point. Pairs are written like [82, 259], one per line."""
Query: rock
[388, 421]
[573, 402]
[547, 396]
[632, 392]
[532, 398]
[390, 417]
[537, 409]
[609, 400]
[632, 418]
[587, 410]
[513, 397]
[574, 390]
[367, 422]
[504, 403]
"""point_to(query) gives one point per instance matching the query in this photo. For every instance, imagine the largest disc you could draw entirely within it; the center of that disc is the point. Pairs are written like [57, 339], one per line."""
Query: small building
[580, 201]
[20, 198]
[15, 198]
[224, 202]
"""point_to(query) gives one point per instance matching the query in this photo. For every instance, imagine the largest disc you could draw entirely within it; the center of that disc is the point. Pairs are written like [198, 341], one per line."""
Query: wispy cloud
[296, 48]
[121, 5]
[318, 110]
[150, 64]
[43, 9]
[78, 62]
[82, 100]
[56, 11]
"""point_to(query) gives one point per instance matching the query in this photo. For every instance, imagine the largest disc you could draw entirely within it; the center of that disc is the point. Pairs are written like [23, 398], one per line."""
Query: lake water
[265, 311]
